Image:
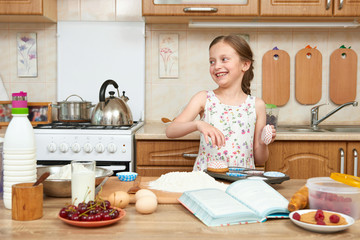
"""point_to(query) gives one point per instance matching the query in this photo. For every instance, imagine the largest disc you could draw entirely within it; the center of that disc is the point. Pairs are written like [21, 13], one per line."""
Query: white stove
[111, 147]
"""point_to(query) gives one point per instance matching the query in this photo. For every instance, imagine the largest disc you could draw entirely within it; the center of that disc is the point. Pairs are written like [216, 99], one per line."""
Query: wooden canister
[27, 201]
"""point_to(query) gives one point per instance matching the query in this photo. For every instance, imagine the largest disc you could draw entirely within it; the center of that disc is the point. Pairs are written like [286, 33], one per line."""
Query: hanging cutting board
[343, 63]
[308, 76]
[276, 77]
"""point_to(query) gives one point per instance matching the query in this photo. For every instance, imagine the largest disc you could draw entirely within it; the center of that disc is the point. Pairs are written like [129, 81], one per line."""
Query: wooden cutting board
[343, 71]
[276, 77]
[308, 76]
[114, 184]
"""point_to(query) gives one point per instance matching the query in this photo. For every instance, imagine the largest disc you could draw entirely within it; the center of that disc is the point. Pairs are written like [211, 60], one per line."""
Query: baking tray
[258, 173]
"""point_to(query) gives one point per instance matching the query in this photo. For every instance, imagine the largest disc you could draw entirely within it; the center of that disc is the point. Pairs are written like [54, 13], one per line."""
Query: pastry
[217, 166]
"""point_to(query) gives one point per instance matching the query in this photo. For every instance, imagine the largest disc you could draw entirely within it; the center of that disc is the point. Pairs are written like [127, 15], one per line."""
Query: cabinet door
[152, 9]
[166, 153]
[347, 8]
[352, 165]
[296, 8]
[306, 159]
[21, 7]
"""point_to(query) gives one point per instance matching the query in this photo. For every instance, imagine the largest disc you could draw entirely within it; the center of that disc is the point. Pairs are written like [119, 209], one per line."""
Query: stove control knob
[99, 148]
[76, 147]
[111, 148]
[51, 147]
[88, 147]
[123, 150]
[64, 147]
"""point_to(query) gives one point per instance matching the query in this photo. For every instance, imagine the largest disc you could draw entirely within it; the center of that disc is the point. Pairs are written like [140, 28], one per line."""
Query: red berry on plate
[319, 215]
[334, 218]
[296, 216]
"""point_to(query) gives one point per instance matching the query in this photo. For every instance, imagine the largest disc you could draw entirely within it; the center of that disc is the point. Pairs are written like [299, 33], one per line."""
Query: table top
[170, 221]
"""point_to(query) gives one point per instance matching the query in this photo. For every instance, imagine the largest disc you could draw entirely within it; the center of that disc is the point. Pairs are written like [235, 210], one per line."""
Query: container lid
[20, 111]
[326, 184]
[20, 94]
[347, 179]
[270, 105]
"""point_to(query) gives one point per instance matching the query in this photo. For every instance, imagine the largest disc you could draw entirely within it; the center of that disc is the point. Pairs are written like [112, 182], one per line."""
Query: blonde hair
[243, 49]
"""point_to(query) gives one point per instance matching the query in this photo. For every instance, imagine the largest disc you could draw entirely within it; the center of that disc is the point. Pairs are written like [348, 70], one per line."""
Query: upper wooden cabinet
[159, 8]
[28, 11]
[295, 8]
[344, 8]
[176, 11]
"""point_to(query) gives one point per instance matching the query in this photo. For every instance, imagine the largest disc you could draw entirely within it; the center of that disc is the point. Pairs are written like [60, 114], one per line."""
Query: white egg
[146, 205]
[144, 192]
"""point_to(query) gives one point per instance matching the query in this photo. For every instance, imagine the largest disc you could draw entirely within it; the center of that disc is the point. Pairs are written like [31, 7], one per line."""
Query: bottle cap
[19, 100]
[20, 111]
[346, 178]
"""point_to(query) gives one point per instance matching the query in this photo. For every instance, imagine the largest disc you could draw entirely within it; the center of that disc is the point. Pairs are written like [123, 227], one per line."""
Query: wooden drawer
[166, 153]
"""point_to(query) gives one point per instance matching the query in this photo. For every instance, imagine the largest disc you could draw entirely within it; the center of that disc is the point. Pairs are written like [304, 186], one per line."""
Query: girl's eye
[225, 59]
[212, 62]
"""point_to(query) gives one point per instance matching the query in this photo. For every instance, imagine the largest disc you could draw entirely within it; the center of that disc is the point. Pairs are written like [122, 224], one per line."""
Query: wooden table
[170, 221]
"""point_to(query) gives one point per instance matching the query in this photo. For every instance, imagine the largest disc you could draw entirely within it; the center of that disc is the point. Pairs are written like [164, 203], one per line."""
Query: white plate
[321, 228]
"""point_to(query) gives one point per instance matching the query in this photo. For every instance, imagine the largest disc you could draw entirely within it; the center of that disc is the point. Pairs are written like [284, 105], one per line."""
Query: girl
[232, 121]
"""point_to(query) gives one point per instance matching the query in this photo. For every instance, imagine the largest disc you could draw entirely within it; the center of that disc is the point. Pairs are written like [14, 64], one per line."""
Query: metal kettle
[112, 111]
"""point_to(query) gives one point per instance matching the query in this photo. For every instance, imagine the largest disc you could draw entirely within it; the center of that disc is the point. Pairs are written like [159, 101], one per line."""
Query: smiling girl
[231, 120]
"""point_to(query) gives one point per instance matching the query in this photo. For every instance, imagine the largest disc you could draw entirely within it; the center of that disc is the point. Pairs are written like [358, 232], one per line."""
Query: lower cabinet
[306, 159]
[156, 157]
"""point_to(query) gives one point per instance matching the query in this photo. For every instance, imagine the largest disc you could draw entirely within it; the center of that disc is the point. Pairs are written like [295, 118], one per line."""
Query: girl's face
[226, 67]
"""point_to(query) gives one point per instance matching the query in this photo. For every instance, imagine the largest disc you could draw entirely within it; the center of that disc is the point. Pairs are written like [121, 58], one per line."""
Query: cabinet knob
[328, 4]
[341, 3]
[342, 160]
[189, 155]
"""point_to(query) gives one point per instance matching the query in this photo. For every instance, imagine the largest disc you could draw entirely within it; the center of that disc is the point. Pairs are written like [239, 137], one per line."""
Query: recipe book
[244, 201]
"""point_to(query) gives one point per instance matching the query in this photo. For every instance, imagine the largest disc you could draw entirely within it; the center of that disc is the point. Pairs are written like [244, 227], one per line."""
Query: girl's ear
[246, 66]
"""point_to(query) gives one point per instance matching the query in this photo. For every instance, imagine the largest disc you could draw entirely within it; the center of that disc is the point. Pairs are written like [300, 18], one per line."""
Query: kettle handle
[103, 88]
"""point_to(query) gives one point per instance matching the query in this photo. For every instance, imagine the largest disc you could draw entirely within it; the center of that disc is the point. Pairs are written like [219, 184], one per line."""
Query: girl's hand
[273, 133]
[216, 136]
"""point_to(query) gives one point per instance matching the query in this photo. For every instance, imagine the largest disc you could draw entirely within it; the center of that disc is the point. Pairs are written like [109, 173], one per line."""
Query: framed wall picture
[39, 113]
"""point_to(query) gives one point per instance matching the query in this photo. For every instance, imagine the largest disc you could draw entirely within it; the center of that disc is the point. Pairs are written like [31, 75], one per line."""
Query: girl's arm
[261, 151]
[185, 123]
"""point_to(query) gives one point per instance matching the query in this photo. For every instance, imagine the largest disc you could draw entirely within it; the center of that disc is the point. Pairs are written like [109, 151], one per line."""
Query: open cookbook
[244, 201]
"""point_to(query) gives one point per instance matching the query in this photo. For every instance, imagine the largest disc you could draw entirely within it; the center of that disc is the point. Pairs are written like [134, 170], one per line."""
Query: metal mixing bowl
[62, 187]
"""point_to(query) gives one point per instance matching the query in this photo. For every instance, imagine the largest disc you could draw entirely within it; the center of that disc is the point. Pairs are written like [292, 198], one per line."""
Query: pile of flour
[185, 181]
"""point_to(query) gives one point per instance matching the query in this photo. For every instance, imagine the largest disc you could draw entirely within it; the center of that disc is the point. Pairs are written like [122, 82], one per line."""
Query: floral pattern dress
[237, 123]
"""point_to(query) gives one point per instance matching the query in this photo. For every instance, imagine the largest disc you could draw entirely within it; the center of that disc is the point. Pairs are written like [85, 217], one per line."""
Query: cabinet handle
[200, 9]
[328, 3]
[189, 155]
[355, 162]
[341, 3]
[342, 160]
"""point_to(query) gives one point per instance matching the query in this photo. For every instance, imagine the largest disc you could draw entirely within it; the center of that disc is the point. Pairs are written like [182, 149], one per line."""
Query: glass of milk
[82, 181]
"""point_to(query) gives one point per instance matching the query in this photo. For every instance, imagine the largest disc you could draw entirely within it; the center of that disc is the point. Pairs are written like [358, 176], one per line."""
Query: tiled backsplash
[166, 97]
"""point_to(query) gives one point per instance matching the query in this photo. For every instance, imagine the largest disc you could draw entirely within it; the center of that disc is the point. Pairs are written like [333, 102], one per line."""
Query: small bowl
[126, 176]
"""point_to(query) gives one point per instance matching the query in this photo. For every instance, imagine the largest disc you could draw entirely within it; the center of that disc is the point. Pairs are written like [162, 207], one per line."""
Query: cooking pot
[113, 110]
[73, 111]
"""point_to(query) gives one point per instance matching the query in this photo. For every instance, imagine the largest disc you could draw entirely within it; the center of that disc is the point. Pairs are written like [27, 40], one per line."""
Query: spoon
[42, 178]
[165, 120]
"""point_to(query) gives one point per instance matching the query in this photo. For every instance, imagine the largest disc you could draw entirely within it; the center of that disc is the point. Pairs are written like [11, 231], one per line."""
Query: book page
[258, 196]
[216, 203]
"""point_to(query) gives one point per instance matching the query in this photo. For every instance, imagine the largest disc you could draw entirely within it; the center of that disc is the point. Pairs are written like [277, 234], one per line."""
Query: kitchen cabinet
[156, 157]
[306, 159]
[154, 12]
[310, 8]
[28, 11]
[159, 11]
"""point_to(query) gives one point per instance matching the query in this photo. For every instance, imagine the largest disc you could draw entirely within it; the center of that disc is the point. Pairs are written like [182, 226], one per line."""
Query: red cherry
[296, 216]
[319, 215]
[334, 218]
[320, 222]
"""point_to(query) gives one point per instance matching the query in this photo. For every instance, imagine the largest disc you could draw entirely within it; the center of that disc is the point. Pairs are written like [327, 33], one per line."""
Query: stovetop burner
[82, 125]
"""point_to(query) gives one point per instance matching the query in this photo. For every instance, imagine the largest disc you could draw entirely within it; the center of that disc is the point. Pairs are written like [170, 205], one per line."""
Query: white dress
[237, 123]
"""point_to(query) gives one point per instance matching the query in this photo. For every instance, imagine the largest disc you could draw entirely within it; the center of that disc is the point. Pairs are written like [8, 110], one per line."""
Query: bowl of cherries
[91, 214]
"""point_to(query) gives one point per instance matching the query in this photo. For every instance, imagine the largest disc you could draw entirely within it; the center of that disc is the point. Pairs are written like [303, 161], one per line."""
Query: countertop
[156, 131]
[170, 221]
